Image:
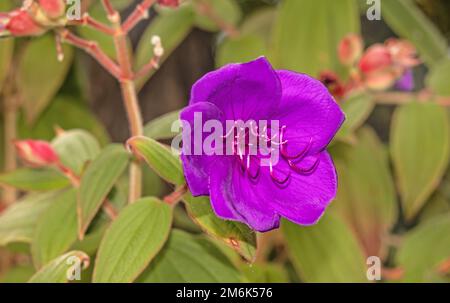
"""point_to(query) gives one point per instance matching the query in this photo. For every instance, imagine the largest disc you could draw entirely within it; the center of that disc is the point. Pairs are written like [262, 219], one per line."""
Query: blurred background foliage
[391, 157]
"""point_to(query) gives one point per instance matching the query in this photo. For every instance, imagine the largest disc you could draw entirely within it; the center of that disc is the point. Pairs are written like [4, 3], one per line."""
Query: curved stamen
[255, 176]
[300, 155]
[275, 179]
[304, 171]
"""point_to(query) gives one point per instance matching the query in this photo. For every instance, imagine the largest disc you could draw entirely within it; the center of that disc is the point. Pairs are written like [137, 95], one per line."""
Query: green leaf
[185, 260]
[159, 157]
[325, 252]
[366, 194]
[310, 49]
[236, 235]
[6, 48]
[56, 229]
[39, 80]
[80, 117]
[60, 269]
[438, 78]
[75, 148]
[91, 241]
[406, 20]
[18, 222]
[133, 240]
[161, 127]
[424, 248]
[357, 109]
[172, 26]
[18, 274]
[420, 152]
[241, 49]
[97, 182]
[265, 273]
[34, 179]
[227, 11]
[260, 23]
[437, 205]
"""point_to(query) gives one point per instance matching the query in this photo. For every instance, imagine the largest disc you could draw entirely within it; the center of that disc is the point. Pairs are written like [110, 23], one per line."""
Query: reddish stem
[92, 48]
[139, 13]
[89, 21]
[176, 195]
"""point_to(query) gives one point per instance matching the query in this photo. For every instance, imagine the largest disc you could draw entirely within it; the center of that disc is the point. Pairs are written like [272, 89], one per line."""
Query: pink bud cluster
[23, 21]
[376, 68]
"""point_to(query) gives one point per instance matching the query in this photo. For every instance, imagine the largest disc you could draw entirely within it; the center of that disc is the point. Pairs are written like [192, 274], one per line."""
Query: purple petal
[406, 82]
[242, 91]
[196, 167]
[234, 197]
[309, 112]
[305, 197]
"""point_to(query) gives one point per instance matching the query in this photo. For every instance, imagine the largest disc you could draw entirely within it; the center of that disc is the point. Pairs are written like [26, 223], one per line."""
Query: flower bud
[377, 58]
[19, 23]
[380, 80]
[171, 3]
[402, 52]
[53, 8]
[350, 49]
[36, 153]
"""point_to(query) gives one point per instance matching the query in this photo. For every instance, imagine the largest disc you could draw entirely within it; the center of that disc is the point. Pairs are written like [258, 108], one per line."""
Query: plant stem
[176, 195]
[129, 95]
[10, 129]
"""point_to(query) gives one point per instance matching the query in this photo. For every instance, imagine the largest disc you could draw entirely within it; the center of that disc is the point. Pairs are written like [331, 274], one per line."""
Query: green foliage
[241, 49]
[172, 26]
[34, 179]
[226, 10]
[310, 49]
[161, 127]
[424, 249]
[439, 77]
[56, 229]
[59, 269]
[327, 251]
[133, 240]
[148, 241]
[265, 273]
[357, 109]
[420, 151]
[97, 182]
[186, 259]
[366, 194]
[405, 18]
[236, 235]
[80, 118]
[38, 80]
[159, 157]
[18, 222]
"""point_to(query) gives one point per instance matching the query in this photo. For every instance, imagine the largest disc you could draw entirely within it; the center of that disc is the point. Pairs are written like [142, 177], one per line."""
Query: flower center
[253, 144]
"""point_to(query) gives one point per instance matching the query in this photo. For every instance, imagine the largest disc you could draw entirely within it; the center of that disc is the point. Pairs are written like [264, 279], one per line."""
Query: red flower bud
[53, 8]
[171, 3]
[350, 49]
[20, 23]
[376, 58]
[36, 153]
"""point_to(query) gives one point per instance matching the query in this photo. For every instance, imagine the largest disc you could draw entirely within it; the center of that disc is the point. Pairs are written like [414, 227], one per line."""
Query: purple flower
[301, 184]
[406, 82]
